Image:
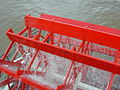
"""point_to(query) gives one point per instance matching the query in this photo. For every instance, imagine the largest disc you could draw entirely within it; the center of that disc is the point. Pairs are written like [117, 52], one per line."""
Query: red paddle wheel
[54, 53]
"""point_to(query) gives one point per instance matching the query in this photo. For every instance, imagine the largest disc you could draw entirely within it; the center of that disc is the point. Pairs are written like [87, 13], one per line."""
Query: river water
[103, 12]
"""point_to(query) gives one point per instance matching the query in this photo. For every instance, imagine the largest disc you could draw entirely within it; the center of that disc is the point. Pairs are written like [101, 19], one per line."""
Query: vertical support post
[23, 86]
[14, 55]
[60, 37]
[110, 82]
[81, 45]
[116, 60]
[69, 70]
[52, 38]
[7, 51]
[29, 32]
[32, 60]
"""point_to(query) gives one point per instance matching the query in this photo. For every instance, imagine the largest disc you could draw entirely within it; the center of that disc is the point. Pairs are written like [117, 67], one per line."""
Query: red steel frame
[71, 28]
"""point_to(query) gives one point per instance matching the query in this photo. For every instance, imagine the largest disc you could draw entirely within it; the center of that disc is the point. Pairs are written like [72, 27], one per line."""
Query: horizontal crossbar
[72, 55]
[10, 63]
[81, 24]
[109, 37]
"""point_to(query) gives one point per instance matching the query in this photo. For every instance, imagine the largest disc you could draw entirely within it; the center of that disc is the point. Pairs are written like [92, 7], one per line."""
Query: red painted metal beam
[25, 80]
[8, 50]
[94, 48]
[7, 81]
[24, 30]
[35, 84]
[104, 38]
[21, 72]
[80, 24]
[72, 55]
[11, 44]
[10, 63]
[7, 70]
